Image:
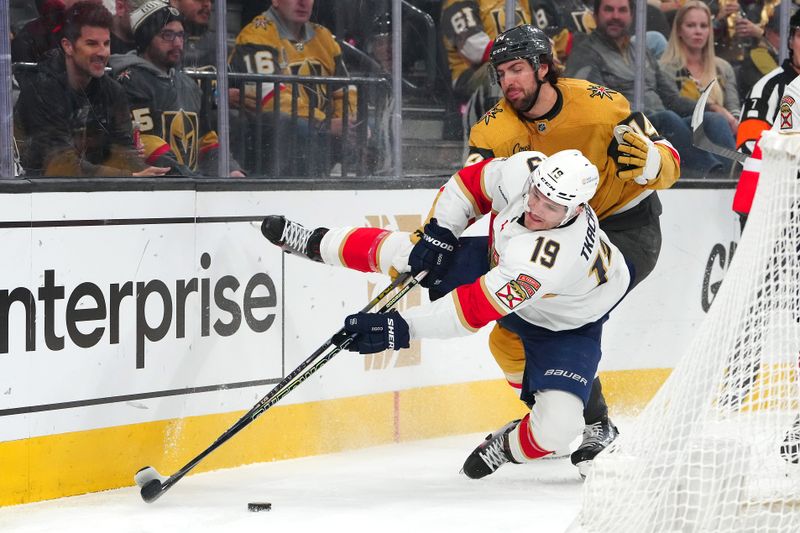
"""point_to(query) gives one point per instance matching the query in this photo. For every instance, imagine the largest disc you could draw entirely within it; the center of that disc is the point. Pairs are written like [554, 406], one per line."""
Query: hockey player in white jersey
[548, 279]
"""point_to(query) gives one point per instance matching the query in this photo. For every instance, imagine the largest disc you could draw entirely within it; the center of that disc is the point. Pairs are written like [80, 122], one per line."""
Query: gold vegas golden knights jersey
[265, 47]
[462, 22]
[583, 118]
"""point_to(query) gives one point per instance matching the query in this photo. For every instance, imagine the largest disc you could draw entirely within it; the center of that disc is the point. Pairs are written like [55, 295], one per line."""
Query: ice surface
[409, 487]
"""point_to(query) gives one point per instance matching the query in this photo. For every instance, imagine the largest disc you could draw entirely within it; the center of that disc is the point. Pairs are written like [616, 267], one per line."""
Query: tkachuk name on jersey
[591, 230]
[566, 374]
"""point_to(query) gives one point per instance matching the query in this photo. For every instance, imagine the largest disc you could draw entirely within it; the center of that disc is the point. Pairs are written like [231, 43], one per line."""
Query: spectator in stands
[739, 26]
[606, 57]
[121, 34]
[74, 119]
[21, 12]
[283, 41]
[577, 17]
[690, 59]
[765, 99]
[200, 48]
[367, 25]
[468, 29]
[762, 59]
[38, 36]
[165, 102]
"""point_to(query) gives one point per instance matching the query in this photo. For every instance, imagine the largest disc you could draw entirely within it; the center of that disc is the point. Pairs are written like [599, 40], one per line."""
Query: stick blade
[152, 490]
[700, 106]
[151, 483]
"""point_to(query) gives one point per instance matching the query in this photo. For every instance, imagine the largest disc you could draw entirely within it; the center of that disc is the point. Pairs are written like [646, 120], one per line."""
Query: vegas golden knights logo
[411, 356]
[181, 131]
[316, 92]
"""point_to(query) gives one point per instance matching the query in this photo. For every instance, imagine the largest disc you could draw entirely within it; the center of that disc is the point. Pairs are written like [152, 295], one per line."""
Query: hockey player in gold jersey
[540, 111]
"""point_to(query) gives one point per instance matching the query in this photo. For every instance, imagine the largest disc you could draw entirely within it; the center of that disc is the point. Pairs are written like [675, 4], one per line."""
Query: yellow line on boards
[68, 464]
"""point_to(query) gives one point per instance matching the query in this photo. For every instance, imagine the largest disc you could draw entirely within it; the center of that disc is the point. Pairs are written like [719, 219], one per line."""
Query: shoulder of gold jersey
[255, 30]
[323, 32]
[610, 102]
[500, 112]
[594, 91]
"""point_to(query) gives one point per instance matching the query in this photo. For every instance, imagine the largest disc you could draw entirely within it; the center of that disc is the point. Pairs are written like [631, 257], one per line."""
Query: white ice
[409, 487]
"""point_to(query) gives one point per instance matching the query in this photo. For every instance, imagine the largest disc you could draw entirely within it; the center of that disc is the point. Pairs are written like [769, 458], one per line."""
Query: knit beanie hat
[149, 19]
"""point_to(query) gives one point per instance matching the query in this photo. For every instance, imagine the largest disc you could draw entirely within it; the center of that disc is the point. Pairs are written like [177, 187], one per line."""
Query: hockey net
[717, 448]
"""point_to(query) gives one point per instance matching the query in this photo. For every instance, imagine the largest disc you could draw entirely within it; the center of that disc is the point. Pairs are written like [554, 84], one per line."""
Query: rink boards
[135, 326]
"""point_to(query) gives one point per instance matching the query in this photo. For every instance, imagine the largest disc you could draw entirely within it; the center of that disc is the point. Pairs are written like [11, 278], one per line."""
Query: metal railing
[269, 140]
[300, 146]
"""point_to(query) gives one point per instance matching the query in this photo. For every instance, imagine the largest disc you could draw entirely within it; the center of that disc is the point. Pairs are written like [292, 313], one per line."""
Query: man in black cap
[165, 103]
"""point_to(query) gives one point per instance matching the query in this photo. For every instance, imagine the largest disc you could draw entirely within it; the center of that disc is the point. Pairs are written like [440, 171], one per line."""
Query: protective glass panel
[309, 101]
[70, 118]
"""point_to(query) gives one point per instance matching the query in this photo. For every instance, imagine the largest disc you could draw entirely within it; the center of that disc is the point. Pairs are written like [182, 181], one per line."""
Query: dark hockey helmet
[521, 42]
[794, 22]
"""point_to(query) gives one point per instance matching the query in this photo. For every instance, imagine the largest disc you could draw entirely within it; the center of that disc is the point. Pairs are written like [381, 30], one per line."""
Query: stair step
[426, 154]
[412, 112]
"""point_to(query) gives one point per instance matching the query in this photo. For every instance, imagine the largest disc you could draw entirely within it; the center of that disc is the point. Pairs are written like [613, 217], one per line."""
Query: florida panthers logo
[786, 112]
[518, 290]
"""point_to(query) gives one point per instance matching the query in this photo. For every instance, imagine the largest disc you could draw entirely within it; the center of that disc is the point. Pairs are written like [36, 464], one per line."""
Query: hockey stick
[700, 138]
[153, 484]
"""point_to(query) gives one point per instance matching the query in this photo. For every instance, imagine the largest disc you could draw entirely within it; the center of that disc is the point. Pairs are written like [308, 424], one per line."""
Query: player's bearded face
[542, 213]
[518, 83]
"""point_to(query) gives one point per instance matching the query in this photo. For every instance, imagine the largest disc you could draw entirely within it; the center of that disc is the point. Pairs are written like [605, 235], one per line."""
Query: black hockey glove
[377, 332]
[433, 252]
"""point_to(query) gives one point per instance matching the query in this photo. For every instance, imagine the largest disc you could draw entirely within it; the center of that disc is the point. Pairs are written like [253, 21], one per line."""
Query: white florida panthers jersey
[559, 279]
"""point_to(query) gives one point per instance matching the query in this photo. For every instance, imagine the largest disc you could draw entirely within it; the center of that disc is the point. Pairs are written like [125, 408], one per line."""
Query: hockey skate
[292, 237]
[491, 454]
[596, 437]
[790, 449]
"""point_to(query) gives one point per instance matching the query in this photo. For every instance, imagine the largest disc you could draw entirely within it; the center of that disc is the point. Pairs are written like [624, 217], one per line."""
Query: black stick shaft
[295, 378]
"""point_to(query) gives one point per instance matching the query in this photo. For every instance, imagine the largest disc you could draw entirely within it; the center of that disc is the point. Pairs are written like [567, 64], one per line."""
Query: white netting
[716, 449]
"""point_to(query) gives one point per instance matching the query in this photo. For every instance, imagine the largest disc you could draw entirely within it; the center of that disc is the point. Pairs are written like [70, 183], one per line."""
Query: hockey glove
[377, 332]
[638, 158]
[433, 252]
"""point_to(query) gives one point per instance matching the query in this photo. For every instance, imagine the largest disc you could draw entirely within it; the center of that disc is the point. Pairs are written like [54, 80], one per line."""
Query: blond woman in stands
[691, 61]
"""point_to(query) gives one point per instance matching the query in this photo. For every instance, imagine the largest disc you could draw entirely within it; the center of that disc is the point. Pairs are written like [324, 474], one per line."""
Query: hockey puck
[259, 506]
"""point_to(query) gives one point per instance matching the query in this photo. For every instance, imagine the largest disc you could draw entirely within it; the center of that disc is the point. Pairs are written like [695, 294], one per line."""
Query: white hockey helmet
[567, 178]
